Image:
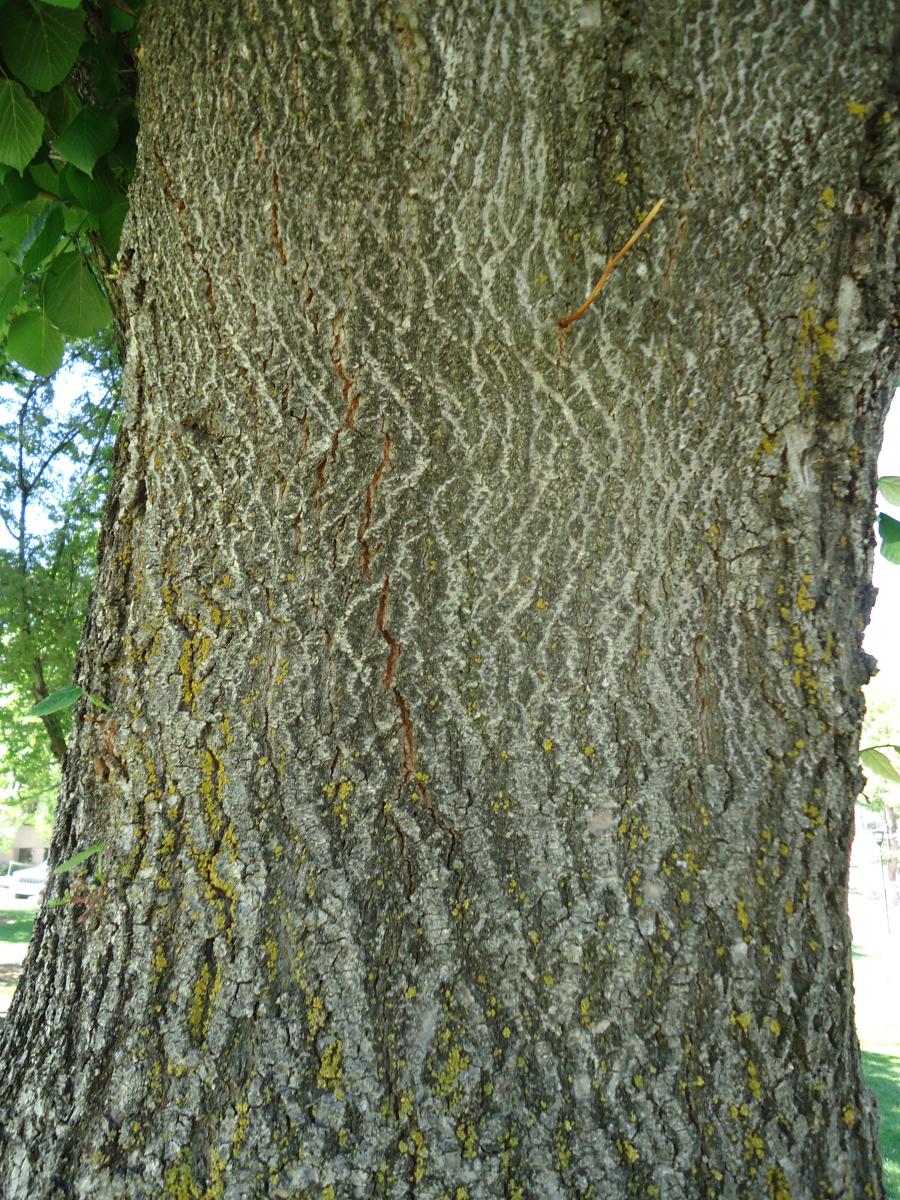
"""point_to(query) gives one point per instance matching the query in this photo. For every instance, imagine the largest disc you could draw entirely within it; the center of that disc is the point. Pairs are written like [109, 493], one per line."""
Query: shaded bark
[486, 699]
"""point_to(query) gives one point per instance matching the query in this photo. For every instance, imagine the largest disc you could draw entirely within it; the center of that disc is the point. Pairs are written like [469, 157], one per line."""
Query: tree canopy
[54, 467]
[67, 144]
[67, 147]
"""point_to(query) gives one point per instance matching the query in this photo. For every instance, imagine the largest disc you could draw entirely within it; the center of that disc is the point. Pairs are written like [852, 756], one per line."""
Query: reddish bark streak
[388, 684]
[698, 692]
[352, 402]
[371, 493]
[390, 670]
[276, 233]
[276, 236]
[320, 483]
[409, 754]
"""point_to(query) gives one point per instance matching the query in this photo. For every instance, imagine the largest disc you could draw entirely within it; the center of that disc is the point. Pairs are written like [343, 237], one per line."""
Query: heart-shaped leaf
[21, 126]
[72, 299]
[40, 44]
[95, 193]
[33, 343]
[87, 137]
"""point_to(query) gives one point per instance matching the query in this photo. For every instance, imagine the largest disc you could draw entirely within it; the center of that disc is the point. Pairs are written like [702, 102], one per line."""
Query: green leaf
[111, 227]
[64, 698]
[41, 239]
[93, 193]
[119, 21]
[21, 126]
[85, 139]
[13, 227]
[60, 107]
[63, 3]
[75, 219]
[889, 486]
[72, 300]
[41, 44]
[875, 761]
[889, 529]
[34, 344]
[20, 188]
[10, 285]
[45, 177]
[77, 859]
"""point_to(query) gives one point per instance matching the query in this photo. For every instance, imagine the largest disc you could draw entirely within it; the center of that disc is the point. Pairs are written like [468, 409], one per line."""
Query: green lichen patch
[331, 1070]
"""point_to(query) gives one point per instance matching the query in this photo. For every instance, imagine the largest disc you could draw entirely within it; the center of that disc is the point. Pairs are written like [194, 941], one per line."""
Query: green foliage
[879, 731]
[86, 892]
[21, 126]
[873, 760]
[888, 528]
[63, 698]
[29, 772]
[35, 344]
[67, 145]
[72, 299]
[889, 531]
[89, 136]
[56, 701]
[73, 863]
[40, 44]
[54, 464]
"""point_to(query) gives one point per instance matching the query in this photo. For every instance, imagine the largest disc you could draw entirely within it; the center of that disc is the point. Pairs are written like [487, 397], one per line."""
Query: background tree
[486, 698]
[66, 155]
[54, 463]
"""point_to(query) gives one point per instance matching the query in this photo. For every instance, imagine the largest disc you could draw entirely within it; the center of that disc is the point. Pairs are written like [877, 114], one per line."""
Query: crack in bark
[371, 493]
[276, 233]
[349, 417]
[698, 692]
[394, 646]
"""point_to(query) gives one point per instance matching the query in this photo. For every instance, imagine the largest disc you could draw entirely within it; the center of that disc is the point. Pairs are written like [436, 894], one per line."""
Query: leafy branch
[88, 892]
[67, 147]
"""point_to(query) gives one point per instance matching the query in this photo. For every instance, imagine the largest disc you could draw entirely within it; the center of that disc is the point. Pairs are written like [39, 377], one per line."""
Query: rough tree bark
[486, 700]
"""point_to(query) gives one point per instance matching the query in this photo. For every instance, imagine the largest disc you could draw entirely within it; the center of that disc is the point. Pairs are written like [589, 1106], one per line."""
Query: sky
[70, 383]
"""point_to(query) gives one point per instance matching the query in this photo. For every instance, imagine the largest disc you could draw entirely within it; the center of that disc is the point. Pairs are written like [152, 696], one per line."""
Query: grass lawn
[15, 924]
[15, 930]
[876, 973]
[883, 1077]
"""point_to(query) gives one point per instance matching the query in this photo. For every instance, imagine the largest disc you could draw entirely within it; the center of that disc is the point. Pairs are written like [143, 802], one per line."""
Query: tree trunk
[479, 786]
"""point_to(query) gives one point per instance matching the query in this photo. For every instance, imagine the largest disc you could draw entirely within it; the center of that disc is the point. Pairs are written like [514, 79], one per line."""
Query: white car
[25, 880]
